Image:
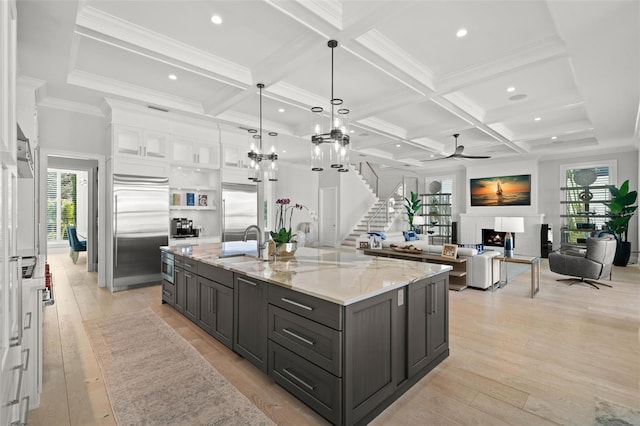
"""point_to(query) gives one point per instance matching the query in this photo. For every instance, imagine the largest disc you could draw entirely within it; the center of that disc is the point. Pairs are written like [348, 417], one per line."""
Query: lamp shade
[419, 220]
[509, 224]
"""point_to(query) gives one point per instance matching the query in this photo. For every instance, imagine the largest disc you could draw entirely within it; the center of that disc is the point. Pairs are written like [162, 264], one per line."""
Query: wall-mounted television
[491, 238]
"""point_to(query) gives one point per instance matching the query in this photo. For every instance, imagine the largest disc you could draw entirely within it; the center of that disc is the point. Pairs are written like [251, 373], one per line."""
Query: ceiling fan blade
[459, 150]
[473, 156]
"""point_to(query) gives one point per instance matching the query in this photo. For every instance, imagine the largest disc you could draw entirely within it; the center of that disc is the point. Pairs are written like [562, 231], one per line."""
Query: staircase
[376, 219]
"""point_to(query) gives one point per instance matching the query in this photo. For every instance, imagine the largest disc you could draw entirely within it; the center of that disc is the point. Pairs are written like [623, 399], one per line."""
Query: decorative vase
[623, 253]
[286, 250]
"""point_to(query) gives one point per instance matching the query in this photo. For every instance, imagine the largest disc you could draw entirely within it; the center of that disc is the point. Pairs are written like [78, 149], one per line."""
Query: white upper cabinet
[193, 152]
[133, 142]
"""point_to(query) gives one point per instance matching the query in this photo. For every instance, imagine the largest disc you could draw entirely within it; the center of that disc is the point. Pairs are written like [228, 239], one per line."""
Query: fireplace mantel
[528, 242]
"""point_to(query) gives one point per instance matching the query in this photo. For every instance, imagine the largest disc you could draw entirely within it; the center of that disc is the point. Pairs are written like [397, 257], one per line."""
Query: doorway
[328, 216]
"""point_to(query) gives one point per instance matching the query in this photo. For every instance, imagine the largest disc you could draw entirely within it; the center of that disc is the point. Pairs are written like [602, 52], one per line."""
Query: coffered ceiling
[530, 78]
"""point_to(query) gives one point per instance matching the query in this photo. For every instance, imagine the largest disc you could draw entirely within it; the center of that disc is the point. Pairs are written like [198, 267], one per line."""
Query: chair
[76, 245]
[594, 264]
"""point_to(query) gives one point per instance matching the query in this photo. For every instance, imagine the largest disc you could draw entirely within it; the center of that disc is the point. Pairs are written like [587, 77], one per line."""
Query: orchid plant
[284, 234]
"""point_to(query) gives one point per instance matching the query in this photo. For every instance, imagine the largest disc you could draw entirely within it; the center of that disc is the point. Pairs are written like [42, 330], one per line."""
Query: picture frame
[499, 191]
[449, 251]
[363, 245]
[375, 242]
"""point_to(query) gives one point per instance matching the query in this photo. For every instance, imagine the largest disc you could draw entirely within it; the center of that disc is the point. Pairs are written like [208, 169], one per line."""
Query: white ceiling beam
[131, 34]
[547, 50]
[119, 88]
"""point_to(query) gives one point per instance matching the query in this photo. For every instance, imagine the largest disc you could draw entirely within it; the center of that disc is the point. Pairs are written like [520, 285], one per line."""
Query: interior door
[328, 216]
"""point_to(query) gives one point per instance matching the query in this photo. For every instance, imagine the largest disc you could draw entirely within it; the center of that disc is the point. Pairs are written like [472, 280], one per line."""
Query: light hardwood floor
[514, 360]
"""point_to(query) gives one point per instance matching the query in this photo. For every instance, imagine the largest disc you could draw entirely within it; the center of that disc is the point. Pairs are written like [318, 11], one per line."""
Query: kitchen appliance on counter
[183, 228]
[140, 217]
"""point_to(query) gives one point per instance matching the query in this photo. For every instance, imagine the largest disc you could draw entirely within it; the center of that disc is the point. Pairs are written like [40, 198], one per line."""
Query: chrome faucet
[260, 236]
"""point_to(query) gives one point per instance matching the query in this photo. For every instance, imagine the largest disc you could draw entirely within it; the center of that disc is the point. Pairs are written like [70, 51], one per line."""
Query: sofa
[479, 265]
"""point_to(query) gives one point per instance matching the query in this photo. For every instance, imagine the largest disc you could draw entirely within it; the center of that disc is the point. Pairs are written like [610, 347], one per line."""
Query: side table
[533, 261]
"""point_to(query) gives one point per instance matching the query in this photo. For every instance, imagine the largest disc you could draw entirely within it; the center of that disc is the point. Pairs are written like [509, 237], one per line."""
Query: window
[63, 187]
[584, 193]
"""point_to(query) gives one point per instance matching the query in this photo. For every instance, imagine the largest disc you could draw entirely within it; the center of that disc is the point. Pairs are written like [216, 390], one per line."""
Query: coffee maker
[181, 227]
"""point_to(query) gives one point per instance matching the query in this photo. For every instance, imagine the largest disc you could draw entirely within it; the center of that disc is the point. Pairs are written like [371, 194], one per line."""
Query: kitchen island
[345, 333]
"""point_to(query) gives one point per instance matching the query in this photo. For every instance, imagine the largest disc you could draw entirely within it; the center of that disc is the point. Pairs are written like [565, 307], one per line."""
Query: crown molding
[467, 105]
[118, 88]
[386, 49]
[71, 106]
[29, 82]
[109, 25]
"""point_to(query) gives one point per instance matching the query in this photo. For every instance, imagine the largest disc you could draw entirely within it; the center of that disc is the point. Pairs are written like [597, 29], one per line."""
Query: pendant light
[337, 135]
[256, 155]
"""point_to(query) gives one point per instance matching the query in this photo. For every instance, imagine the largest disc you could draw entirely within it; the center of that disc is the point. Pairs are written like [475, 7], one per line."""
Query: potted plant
[620, 213]
[412, 206]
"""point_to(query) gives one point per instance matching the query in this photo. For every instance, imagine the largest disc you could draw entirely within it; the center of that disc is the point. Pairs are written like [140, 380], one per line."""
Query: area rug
[155, 377]
[611, 414]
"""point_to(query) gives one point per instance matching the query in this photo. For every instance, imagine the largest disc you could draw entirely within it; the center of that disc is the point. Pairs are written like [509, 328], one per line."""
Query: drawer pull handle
[166, 293]
[248, 282]
[297, 336]
[188, 275]
[188, 265]
[299, 305]
[299, 380]
[27, 327]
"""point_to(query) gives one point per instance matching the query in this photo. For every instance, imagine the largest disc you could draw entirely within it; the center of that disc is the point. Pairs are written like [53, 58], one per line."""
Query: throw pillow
[378, 234]
[410, 235]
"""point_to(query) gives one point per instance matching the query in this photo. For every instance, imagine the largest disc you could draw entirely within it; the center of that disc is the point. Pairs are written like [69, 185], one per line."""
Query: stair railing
[368, 169]
[384, 208]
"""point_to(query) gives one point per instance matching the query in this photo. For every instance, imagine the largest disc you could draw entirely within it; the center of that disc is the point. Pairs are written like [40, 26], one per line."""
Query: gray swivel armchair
[595, 264]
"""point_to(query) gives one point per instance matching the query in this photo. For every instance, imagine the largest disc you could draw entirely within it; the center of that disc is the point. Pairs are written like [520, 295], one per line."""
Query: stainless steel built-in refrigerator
[239, 210]
[140, 227]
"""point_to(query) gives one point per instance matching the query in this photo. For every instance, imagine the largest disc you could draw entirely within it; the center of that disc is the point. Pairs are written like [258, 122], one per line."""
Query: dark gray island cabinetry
[345, 334]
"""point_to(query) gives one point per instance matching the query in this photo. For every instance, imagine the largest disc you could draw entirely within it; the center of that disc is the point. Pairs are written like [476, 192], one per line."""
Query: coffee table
[533, 261]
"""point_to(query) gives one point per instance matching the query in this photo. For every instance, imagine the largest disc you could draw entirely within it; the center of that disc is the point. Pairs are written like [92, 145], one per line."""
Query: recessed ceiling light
[511, 89]
[281, 110]
[216, 19]
[461, 32]
[431, 156]
[538, 118]
[173, 77]
[284, 151]
[397, 145]
[352, 131]
[517, 97]
[553, 138]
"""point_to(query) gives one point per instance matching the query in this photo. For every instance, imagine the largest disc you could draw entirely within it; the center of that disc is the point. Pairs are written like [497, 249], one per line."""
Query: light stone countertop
[336, 276]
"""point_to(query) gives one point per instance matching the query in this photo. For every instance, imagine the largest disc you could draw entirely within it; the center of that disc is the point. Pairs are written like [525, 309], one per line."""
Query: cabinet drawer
[190, 265]
[168, 291]
[178, 261]
[318, 310]
[216, 274]
[315, 342]
[315, 387]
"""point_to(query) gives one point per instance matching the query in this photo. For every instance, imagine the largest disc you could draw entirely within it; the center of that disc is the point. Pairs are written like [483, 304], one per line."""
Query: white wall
[72, 131]
[354, 201]
[300, 185]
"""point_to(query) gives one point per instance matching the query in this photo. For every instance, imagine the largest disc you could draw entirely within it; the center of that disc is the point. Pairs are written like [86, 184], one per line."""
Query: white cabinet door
[207, 154]
[154, 145]
[182, 150]
[127, 141]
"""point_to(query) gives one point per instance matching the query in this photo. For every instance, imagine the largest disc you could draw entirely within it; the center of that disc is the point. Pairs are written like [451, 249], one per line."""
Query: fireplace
[491, 238]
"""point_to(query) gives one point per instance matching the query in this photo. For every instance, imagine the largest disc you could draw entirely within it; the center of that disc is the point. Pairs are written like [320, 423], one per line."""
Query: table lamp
[418, 221]
[508, 225]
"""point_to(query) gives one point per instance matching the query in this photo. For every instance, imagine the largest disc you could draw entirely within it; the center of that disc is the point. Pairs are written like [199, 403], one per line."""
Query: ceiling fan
[458, 152]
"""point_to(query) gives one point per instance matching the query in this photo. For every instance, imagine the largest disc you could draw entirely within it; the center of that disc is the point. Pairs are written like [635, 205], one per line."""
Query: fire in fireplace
[491, 238]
